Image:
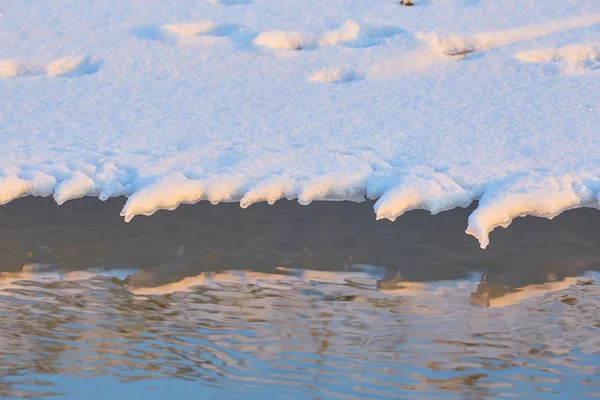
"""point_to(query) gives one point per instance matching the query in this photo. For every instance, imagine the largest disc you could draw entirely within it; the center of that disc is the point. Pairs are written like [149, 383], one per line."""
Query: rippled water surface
[294, 302]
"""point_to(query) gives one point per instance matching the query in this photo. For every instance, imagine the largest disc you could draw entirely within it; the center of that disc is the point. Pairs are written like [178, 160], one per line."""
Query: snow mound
[283, 40]
[348, 32]
[576, 55]
[70, 66]
[330, 75]
[193, 29]
[453, 44]
[12, 69]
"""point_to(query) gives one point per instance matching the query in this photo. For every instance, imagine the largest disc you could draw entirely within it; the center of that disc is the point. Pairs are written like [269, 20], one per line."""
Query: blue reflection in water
[294, 334]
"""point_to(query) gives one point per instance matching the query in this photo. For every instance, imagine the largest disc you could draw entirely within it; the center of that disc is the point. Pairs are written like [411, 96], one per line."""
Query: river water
[294, 302]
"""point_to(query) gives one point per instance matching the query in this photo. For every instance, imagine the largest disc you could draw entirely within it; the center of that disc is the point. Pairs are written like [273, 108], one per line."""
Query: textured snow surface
[426, 107]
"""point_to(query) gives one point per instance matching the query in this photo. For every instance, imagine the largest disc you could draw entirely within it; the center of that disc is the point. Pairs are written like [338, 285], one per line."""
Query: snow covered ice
[426, 107]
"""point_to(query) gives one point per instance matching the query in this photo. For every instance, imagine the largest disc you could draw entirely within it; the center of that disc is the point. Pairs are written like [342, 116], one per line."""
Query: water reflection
[87, 233]
[206, 303]
[309, 333]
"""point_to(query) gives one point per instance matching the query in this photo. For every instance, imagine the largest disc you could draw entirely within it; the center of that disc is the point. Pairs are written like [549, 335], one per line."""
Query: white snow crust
[434, 106]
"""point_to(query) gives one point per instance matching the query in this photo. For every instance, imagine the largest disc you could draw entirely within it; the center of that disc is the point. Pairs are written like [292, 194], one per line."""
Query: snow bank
[165, 194]
[35, 184]
[279, 187]
[530, 195]
[426, 190]
[149, 116]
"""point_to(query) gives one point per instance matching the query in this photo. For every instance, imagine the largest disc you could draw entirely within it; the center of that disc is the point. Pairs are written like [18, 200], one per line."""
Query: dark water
[294, 302]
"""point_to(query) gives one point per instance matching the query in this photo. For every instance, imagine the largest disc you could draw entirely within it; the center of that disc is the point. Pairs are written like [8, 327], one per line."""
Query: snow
[282, 40]
[67, 66]
[575, 58]
[453, 44]
[426, 107]
[329, 75]
[167, 193]
[347, 33]
[11, 69]
[192, 29]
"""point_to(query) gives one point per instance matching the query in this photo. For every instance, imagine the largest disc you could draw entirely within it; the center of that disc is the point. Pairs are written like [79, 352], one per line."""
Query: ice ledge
[500, 200]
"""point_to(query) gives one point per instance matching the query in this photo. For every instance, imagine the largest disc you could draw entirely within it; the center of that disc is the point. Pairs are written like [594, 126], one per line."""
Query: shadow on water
[87, 233]
[291, 301]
